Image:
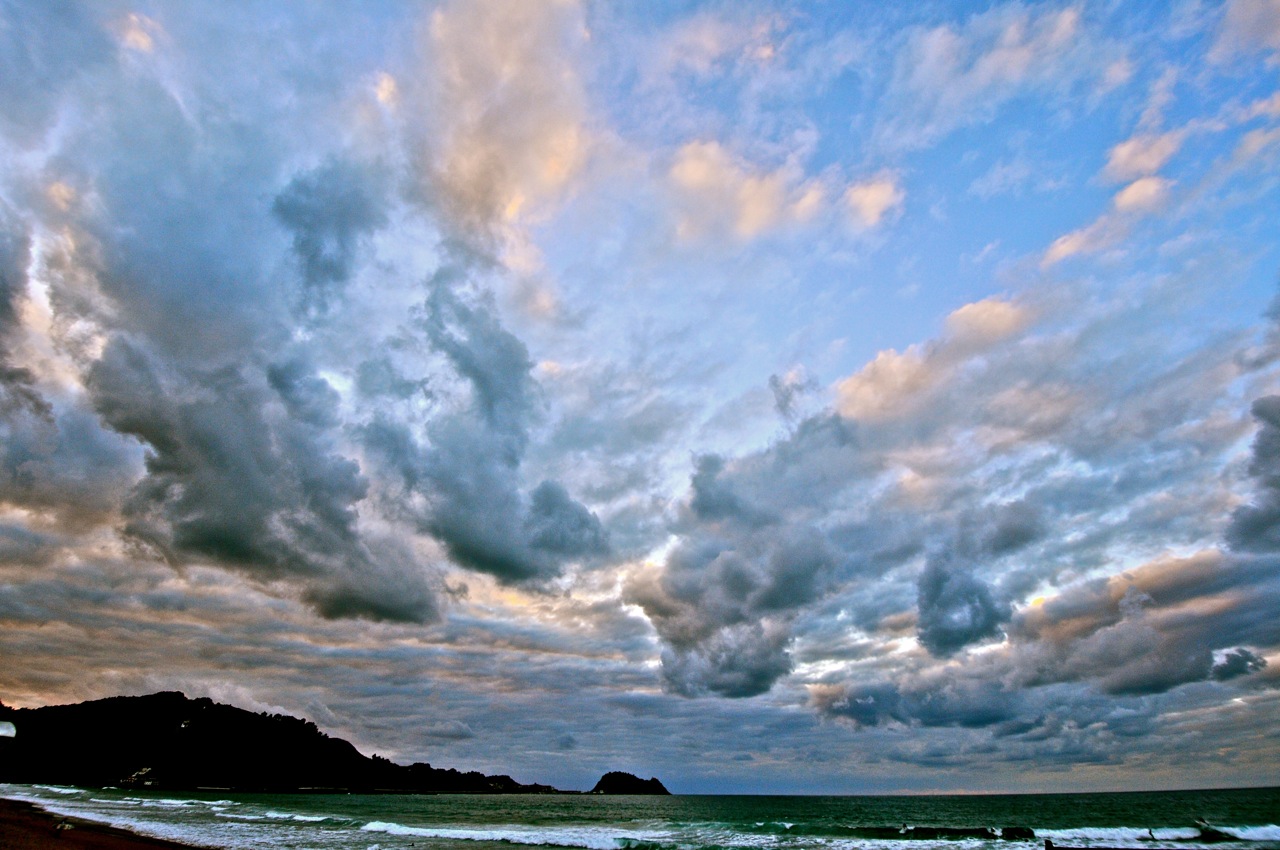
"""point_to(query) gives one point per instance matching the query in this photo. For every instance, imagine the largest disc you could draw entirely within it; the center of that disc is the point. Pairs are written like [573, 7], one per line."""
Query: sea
[1246, 820]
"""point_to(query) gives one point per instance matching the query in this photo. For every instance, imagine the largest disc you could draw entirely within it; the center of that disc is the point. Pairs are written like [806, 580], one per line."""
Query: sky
[814, 397]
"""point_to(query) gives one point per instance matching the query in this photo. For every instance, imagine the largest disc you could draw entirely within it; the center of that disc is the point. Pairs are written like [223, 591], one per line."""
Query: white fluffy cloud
[1141, 156]
[1144, 195]
[897, 383]
[717, 193]
[507, 110]
[872, 201]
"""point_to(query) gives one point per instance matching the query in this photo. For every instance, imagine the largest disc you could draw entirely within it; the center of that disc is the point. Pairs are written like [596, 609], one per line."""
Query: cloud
[885, 384]
[937, 700]
[718, 194]
[939, 493]
[870, 202]
[238, 473]
[1156, 630]
[45, 51]
[723, 602]
[1144, 195]
[1255, 142]
[703, 43]
[462, 484]
[1096, 236]
[788, 389]
[138, 32]
[1237, 662]
[261, 381]
[225, 431]
[508, 124]
[20, 545]
[17, 384]
[1248, 26]
[1267, 106]
[1151, 629]
[1003, 177]
[741, 660]
[1142, 156]
[1256, 527]
[895, 383]
[955, 608]
[556, 523]
[448, 730]
[946, 77]
[328, 210]
[986, 322]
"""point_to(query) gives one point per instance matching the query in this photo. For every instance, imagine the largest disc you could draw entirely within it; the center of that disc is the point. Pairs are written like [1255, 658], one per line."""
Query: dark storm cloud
[558, 524]
[57, 461]
[1146, 631]
[955, 607]
[723, 602]
[448, 730]
[238, 473]
[739, 660]
[15, 254]
[16, 390]
[19, 545]
[328, 210]
[67, 466]
[463, 484]
[492, 359]
[1237, 662]
[1256, 527]
[308, 397]
[759, 547]
[752, 557]
[170, 274]
[931, 702]
[713, 500]
[379, 377]
[216, 469]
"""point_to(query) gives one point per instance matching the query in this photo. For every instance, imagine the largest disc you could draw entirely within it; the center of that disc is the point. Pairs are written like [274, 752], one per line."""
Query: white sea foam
[296, 817]
[1270, 832]
[1138, 837]
[584, 837]
[59, 789]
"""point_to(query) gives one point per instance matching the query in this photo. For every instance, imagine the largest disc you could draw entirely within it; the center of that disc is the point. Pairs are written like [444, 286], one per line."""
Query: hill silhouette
[166, 741]
[616, 782]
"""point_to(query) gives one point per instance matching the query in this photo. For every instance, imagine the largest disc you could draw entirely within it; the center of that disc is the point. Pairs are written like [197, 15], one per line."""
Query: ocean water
[447, 822]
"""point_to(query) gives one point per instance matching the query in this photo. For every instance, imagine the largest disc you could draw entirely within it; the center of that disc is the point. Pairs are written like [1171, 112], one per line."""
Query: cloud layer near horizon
[714, 394]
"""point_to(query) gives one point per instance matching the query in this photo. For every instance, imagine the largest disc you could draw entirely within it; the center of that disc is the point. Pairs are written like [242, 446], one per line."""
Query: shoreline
[27, 826]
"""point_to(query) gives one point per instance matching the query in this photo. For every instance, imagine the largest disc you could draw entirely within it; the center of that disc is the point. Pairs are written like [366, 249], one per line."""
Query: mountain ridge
[167, 741]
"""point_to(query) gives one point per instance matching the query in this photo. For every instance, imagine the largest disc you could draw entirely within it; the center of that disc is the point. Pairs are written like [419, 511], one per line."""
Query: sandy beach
[27, 827]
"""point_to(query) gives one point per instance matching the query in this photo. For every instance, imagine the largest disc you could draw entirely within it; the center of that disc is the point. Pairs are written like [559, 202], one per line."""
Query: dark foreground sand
[27, 827]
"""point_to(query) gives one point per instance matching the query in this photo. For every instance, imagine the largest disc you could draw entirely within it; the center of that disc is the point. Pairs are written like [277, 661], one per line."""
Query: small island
[617, 782]
[166, 741]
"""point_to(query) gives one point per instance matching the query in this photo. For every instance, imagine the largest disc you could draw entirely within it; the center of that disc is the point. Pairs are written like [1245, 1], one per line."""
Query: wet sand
[27, 827]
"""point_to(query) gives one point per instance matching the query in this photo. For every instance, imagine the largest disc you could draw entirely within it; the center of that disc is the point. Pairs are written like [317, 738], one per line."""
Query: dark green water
[1249, 817]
